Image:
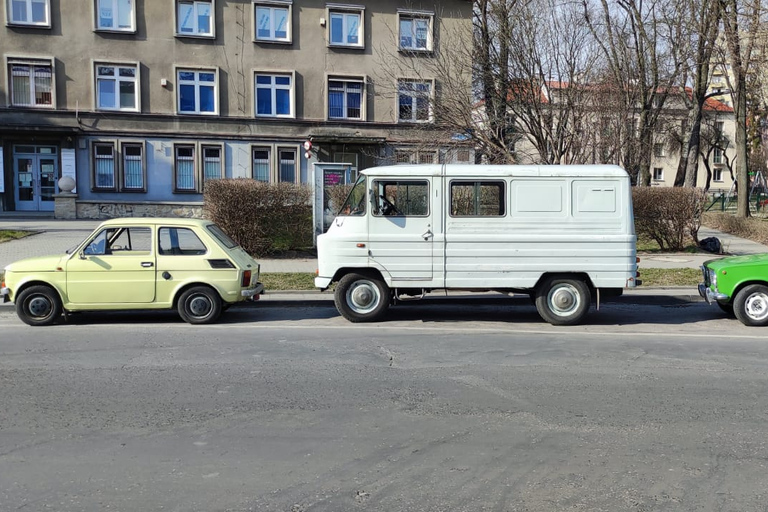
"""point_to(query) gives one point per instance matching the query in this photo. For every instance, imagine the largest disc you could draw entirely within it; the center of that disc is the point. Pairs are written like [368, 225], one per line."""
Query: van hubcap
[756, 306]
[564, 299]
[39, 306]
[363, 296]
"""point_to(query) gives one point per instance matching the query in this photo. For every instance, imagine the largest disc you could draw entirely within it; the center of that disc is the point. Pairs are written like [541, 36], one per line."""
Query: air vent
[223, 263]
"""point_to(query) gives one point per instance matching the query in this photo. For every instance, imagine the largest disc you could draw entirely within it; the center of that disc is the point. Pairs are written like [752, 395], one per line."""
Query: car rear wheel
[563, 301]
[751, 305]
[361, 298]
[200, 305]
[38, 305]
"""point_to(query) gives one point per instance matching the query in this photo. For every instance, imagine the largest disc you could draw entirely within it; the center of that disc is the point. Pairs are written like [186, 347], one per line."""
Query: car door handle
[147, 264]
[427, 235]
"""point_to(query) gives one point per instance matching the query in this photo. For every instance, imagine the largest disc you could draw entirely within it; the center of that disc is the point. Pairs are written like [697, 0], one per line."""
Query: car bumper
[710, 296]
[5, 293]
[250, 293]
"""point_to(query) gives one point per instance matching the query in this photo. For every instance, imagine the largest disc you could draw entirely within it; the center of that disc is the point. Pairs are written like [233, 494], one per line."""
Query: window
[345, 99]
[658, 150]
[287, 165]
[29, 12]
[197, 91]
[116, 87]
[345, 27]
[415, 31]
[274, 95]
[212, 168]
[179, 242]
[194, 18]
[273, 22]
[120, 240]
[261, 167]
[717, 174]
[184, 168]
[401, 198]
[717, 156]
[658, 174]
[104, 168]
[31, 83]
[477, 198]
[133, 167]
[414, 101]
[118, 15]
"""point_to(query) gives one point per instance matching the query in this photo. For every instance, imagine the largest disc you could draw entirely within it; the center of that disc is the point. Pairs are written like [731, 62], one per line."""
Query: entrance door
[35, 173]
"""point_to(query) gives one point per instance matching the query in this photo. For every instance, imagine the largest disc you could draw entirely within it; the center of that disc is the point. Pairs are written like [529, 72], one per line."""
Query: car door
[117, 266]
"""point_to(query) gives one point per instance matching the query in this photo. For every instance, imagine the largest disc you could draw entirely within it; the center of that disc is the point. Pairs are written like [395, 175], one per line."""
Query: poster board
[68, 167]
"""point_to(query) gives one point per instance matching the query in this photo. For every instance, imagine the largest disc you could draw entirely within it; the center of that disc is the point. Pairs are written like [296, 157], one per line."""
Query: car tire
[200, 305]
[361, 298]
[563, 301]
[751, 305]
[38, 305]
[727, 308]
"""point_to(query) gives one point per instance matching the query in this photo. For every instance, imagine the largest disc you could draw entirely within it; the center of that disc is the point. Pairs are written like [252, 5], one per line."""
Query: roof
[176, 221]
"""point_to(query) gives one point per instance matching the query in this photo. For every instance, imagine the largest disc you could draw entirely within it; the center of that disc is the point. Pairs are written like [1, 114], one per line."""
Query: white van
[565, 235]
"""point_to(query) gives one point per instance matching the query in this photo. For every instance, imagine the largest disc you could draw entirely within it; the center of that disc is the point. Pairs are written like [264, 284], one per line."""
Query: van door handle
[427, 235]
[147, 264]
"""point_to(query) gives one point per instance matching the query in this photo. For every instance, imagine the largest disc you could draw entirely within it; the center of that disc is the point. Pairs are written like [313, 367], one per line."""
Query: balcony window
[345, 99]
[29, 12]
[415, 31]
[31, 84]
[194, 18]
[197, 91]
[116, 87]
[117, 15]
[414, 105]
[345, 27]
[274, 95]
[273, 23]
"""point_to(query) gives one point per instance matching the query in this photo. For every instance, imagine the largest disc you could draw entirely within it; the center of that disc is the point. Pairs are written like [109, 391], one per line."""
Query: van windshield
[355, 203]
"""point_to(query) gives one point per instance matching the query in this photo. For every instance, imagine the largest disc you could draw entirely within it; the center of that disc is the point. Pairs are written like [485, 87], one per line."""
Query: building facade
[142, 101]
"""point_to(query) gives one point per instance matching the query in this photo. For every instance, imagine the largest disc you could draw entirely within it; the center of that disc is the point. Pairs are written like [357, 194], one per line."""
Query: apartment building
[141, 102]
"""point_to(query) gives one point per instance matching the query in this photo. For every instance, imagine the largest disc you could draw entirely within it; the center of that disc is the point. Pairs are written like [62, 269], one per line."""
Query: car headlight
[713, 277]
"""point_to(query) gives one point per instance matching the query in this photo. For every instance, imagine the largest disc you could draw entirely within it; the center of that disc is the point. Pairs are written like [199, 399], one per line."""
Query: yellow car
[137, 263]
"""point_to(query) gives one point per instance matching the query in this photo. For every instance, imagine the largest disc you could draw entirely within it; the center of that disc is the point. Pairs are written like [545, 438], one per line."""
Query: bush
[668, 216]
[263, 218]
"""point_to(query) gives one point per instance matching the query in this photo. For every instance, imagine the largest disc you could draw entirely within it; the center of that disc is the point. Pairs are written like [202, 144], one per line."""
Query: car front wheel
[200, 305]
[361, 298]
[751, 305]
[563, 301]
[38, 305]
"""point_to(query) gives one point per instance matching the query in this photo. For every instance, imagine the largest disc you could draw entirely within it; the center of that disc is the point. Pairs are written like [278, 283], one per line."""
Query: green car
[739, 285]
[137, 263]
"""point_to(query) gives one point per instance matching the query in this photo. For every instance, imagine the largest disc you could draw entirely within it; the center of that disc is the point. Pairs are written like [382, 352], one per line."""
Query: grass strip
[656, 277]
[6, 235]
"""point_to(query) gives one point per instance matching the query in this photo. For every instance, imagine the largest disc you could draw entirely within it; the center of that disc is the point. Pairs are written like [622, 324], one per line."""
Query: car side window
[120, 240]
[180, 242]
[98, 245]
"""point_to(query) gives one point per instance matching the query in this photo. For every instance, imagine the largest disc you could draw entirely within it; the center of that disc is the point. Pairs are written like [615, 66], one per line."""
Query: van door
[401, 229]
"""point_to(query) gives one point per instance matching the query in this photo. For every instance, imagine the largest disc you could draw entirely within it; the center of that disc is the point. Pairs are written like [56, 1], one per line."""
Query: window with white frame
[31, 83]
[287, 165]
[717, 174]
[414, 101]
[658, 174]
[212, 163]
[29, 12]
[658, 150]
[415, 31]
[134, 170]
[196, 91]
[117, 87]
[194, 18]
[274, 95]
[717, 156]
[273, 21]
[104, 166]
[184, 168]
[261, 164]
[345, 26]
[117, 15]
[345, 98]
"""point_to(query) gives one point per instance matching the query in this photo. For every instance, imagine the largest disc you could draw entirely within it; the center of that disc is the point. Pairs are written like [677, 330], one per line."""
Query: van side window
[401, 198]
[180, 242]
[477, 198]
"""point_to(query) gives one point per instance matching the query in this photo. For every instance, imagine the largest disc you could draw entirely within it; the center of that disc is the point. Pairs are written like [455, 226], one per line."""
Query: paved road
[439, 408]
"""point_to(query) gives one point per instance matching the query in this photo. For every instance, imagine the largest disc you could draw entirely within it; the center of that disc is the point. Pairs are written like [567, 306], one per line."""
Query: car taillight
[246, 278]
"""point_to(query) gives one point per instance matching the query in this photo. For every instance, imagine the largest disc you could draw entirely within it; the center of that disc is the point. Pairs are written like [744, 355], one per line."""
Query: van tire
[200, 305]
[39, 305]
[362, 298]
[563, 301]
[751, 305]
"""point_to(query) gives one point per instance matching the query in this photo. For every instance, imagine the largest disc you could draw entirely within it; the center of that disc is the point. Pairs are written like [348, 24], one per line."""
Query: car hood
[750, 259]
[37, 264]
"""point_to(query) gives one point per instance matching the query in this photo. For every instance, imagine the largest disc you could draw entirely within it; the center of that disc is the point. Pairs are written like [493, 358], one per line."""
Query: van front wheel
[563, 301]
[361, 298]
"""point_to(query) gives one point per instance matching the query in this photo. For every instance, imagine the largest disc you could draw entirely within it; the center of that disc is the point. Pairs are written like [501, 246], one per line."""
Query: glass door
[35, 170]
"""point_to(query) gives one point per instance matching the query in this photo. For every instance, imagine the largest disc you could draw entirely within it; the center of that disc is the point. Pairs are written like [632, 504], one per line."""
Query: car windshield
[355, 203]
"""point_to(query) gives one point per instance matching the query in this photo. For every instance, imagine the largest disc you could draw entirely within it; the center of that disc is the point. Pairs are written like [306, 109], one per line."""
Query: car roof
[143, 221]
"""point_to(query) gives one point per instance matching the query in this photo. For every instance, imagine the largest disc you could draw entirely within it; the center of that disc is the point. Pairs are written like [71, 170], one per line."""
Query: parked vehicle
[562, 234]
[739, 285]
[137, 263]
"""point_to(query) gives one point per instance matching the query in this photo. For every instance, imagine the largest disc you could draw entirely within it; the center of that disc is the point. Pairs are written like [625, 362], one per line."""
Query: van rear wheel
[361, 298]
[563, 301]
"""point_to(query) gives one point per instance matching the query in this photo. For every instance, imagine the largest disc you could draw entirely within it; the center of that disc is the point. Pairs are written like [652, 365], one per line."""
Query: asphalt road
[440, 408]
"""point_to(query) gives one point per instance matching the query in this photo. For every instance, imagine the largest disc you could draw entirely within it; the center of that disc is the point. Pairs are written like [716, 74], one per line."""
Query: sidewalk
[61, 235]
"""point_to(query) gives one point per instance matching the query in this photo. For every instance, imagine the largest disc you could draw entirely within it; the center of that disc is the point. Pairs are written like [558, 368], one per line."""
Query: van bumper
[322, 282]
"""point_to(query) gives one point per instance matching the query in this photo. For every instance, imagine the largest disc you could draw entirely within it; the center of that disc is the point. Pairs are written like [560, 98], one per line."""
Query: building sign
[327, 176]
[2, 171]
[68, 167]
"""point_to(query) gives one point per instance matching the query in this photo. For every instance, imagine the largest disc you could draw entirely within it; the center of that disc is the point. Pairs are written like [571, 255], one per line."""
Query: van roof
[487, 170]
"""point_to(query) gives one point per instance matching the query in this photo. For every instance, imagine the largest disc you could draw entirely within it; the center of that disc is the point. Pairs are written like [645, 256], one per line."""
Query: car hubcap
[39, 307]
[756, 306]
[363, 296]
[199, 305]
[564, 300]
